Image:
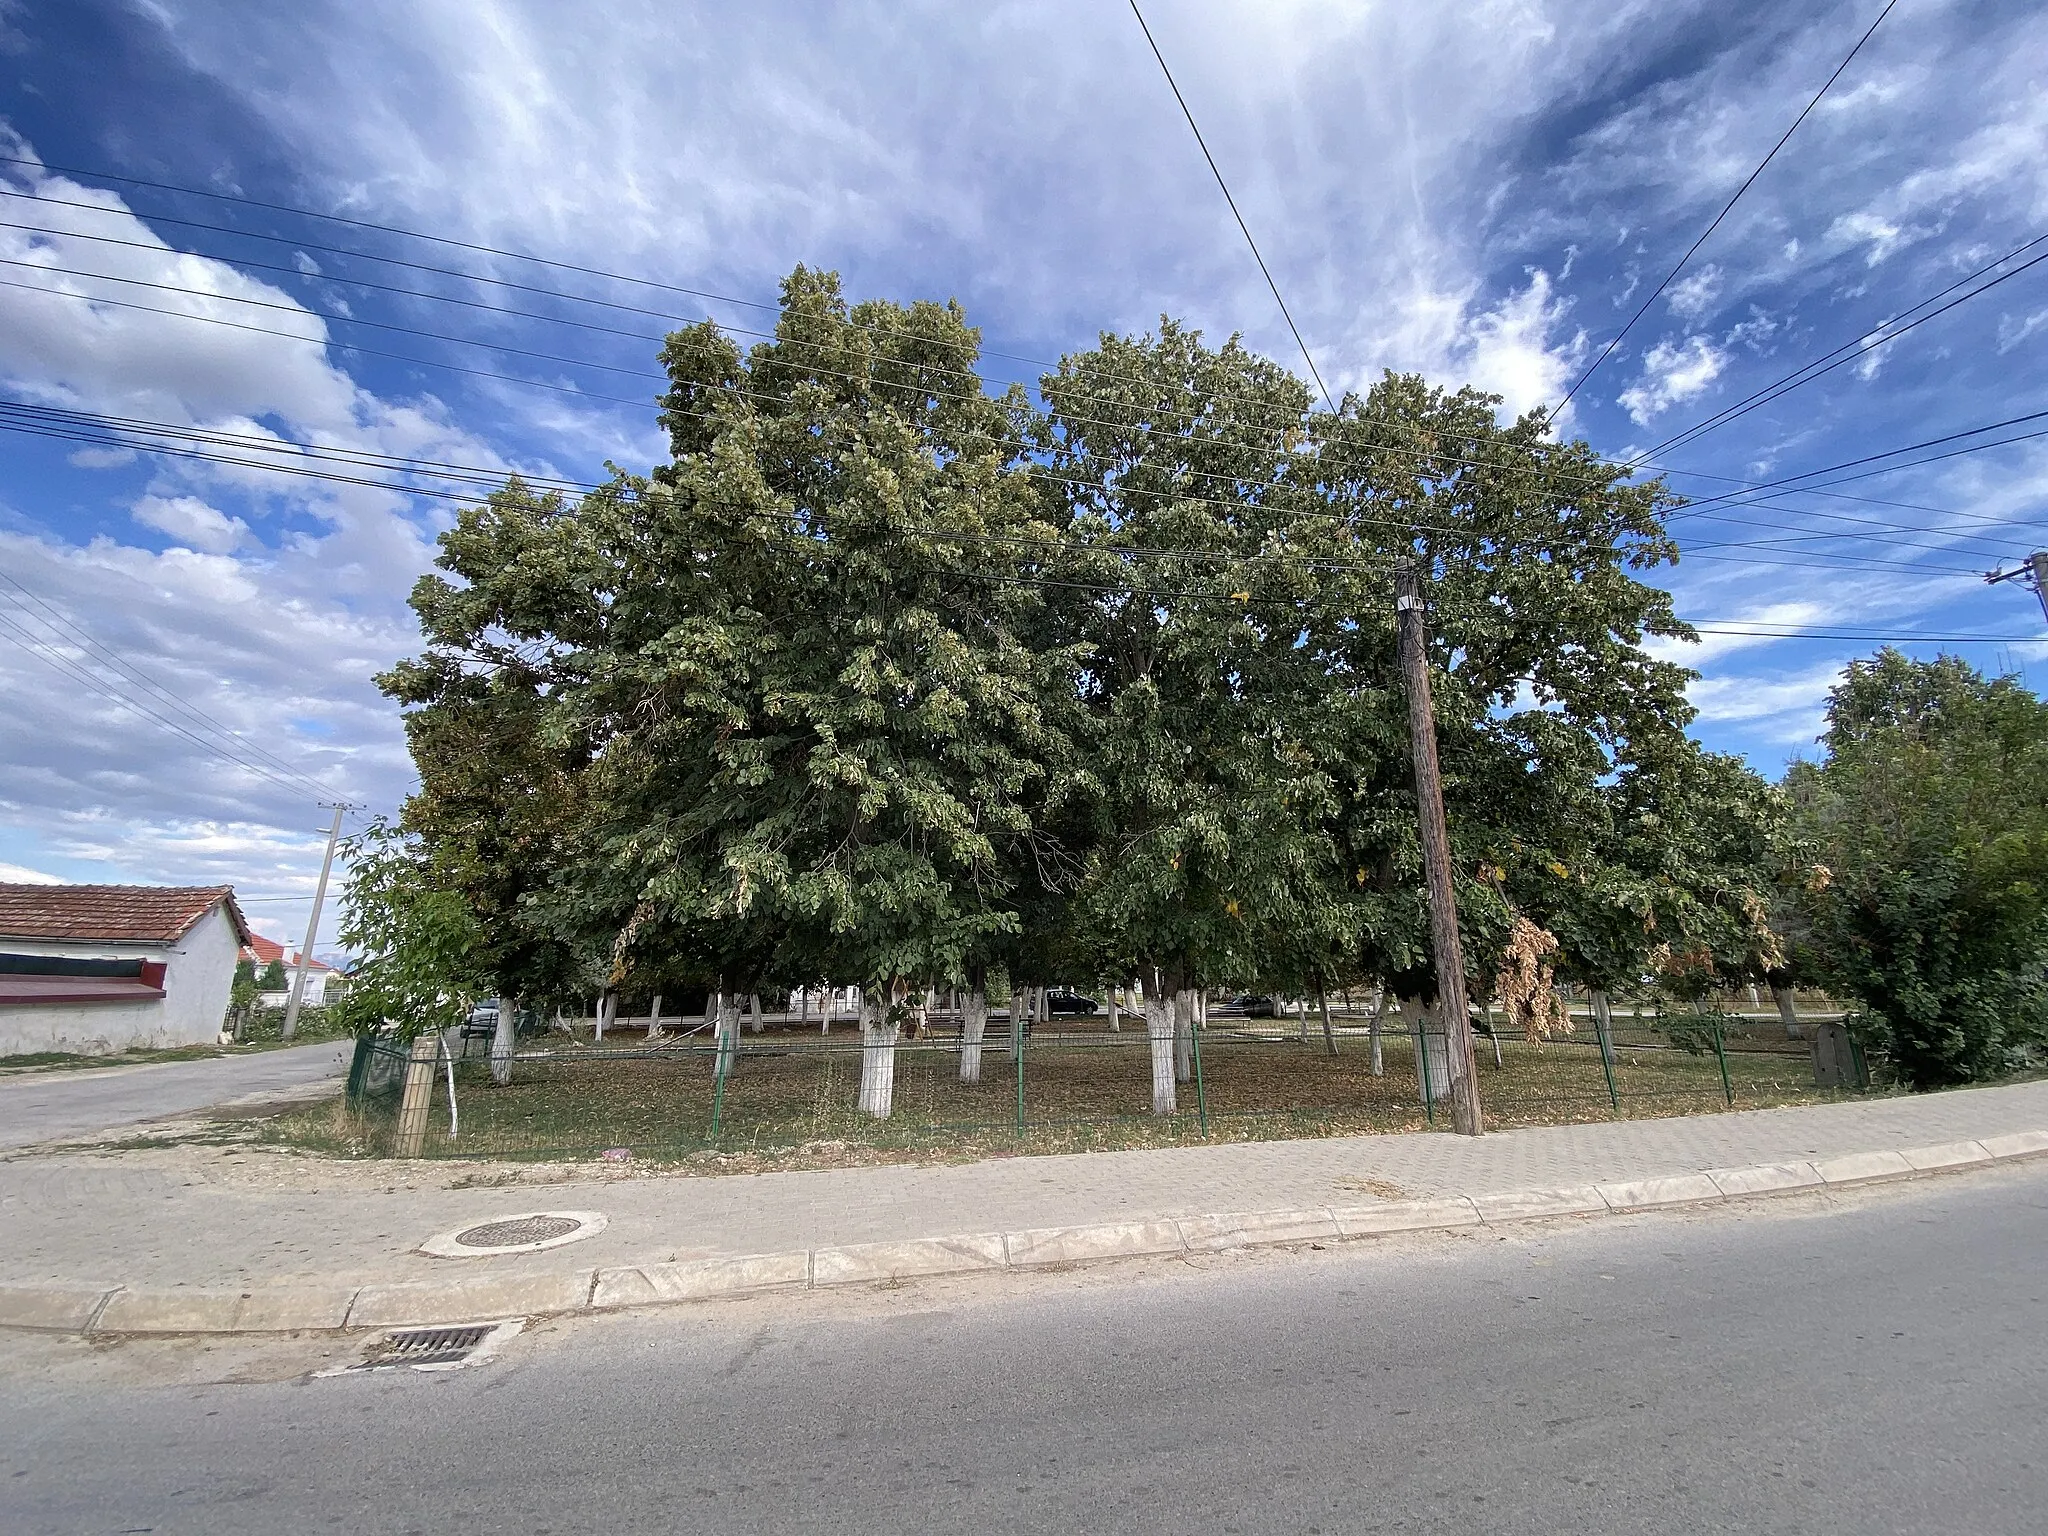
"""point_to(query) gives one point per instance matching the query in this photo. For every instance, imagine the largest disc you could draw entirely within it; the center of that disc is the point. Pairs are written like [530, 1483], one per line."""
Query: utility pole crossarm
[2031, 573]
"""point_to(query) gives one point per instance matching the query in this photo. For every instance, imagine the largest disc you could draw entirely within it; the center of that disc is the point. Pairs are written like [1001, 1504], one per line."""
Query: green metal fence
[1075, 1086]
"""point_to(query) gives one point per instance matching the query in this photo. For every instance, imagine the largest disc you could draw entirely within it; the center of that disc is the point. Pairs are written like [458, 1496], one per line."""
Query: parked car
[1256, 1005]
[1059, 1001]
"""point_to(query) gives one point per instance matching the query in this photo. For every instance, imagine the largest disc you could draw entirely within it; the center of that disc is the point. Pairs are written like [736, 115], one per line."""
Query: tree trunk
[1159, 1025]
[1301, 1026]
[878, 1052]
[831, 1007]
[1372, 1030]
[754, 1012]
[1184, 1035]
[607, 1006]
[1116, 1000]
[973, 1025]
[1788, 1011]
[726, 1011]
[654, 1029]
[1492, 1033]
[1329, 1034]
[1603, 1023]
[502, 1040]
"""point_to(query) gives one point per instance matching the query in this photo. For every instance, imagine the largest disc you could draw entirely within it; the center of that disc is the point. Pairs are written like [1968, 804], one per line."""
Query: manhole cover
[528, 1232]
[517, 1232]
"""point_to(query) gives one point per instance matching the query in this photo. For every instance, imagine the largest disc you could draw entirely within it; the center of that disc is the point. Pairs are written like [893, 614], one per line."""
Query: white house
[100, 968]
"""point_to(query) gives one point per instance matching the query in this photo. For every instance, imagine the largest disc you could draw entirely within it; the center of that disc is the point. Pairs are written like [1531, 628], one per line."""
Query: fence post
[1017, 1055]
[359, 1071]
[1201, 1092]
[1422, 1070]
[419, 1092]
[1721, 1054]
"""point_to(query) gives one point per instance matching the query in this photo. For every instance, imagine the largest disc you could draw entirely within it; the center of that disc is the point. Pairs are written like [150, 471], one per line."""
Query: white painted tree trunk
[1116, 1000]
[973, 1025]
[1159, 1026]
[728, 1033]
[1372, 1030]
[754, 1012]
[831, 1007]
[1184, 1035]
[1329, 1034]
[1788, 1011]
[878, 1054]
[502, 1040]
[654, 1029]
[607, 1009]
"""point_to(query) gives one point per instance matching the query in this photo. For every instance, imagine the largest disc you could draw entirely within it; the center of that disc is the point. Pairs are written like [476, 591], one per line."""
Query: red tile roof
[132, 914]
[263, 951]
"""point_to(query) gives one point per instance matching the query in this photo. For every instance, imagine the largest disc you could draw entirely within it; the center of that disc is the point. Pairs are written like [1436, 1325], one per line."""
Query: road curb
[116, 1309]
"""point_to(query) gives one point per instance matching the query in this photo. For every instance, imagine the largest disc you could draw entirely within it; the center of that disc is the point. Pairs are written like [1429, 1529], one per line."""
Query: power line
[1632, 466]
[1716, 224]
[78, 426]
[61, 623]
[1215, 171]
[1849, 351]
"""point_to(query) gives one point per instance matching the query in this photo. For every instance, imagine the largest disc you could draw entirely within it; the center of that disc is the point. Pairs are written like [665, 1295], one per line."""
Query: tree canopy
[886, 677]
[1929, 819]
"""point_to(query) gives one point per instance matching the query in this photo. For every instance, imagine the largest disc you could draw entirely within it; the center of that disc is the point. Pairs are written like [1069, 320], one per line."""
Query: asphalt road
[37, 1106]
[1869, 1363]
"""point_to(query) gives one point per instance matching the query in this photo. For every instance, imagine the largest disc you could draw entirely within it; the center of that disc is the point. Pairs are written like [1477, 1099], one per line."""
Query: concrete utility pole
[291, 1012]
[1436, 856]
[2033, 574]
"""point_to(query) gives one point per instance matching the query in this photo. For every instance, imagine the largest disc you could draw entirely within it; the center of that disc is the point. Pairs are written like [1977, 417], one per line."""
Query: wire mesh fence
[1066, 1086]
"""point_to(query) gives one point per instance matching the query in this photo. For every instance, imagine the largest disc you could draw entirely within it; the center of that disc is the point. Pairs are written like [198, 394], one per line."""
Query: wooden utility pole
[291, 1012]
[1436, 854]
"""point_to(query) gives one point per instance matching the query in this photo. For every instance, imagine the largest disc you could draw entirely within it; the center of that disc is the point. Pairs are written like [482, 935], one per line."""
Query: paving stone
[1524, 1204]
[1246, 1229]
[67, 1308]
[1764, 1178]
[1642, 1194]
[1862, 1167]
[1404, 1216]
[1948, 1154]
[1110, 1240]
[701, 1279]
[469, 1299]
[857, 1262]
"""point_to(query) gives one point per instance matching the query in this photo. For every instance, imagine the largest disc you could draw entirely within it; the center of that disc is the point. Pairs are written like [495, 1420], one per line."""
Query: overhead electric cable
[1848, 352]
[1279, 433]
[1216, 171]
[1725, 210]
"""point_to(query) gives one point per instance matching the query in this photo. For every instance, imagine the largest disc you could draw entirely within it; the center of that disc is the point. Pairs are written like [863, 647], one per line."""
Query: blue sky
[1482, 191]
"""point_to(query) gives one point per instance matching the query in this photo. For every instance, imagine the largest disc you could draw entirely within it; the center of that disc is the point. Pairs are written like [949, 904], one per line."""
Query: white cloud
[18, 874]
[1690, 297]
[192, 522]
[1673, 372]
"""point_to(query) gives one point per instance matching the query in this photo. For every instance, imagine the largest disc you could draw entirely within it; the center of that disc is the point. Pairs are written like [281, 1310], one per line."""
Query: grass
[792, 1099]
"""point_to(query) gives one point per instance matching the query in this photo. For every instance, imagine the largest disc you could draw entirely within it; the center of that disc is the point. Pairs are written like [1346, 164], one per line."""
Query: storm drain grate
[428, 1346]
[517, 1232]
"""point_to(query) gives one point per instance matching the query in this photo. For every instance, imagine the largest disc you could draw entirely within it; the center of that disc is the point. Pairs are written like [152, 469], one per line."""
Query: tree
[813, 734]
[424, 956]
[1929, 816]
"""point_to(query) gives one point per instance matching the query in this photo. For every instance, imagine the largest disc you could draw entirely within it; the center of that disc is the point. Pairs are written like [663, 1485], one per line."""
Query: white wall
[199, 973]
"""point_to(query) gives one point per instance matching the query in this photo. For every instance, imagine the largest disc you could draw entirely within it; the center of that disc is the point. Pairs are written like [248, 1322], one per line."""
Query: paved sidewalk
[40, 1106]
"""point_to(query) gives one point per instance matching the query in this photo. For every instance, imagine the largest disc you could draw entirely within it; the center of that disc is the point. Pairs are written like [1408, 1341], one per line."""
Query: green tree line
[886, 677]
